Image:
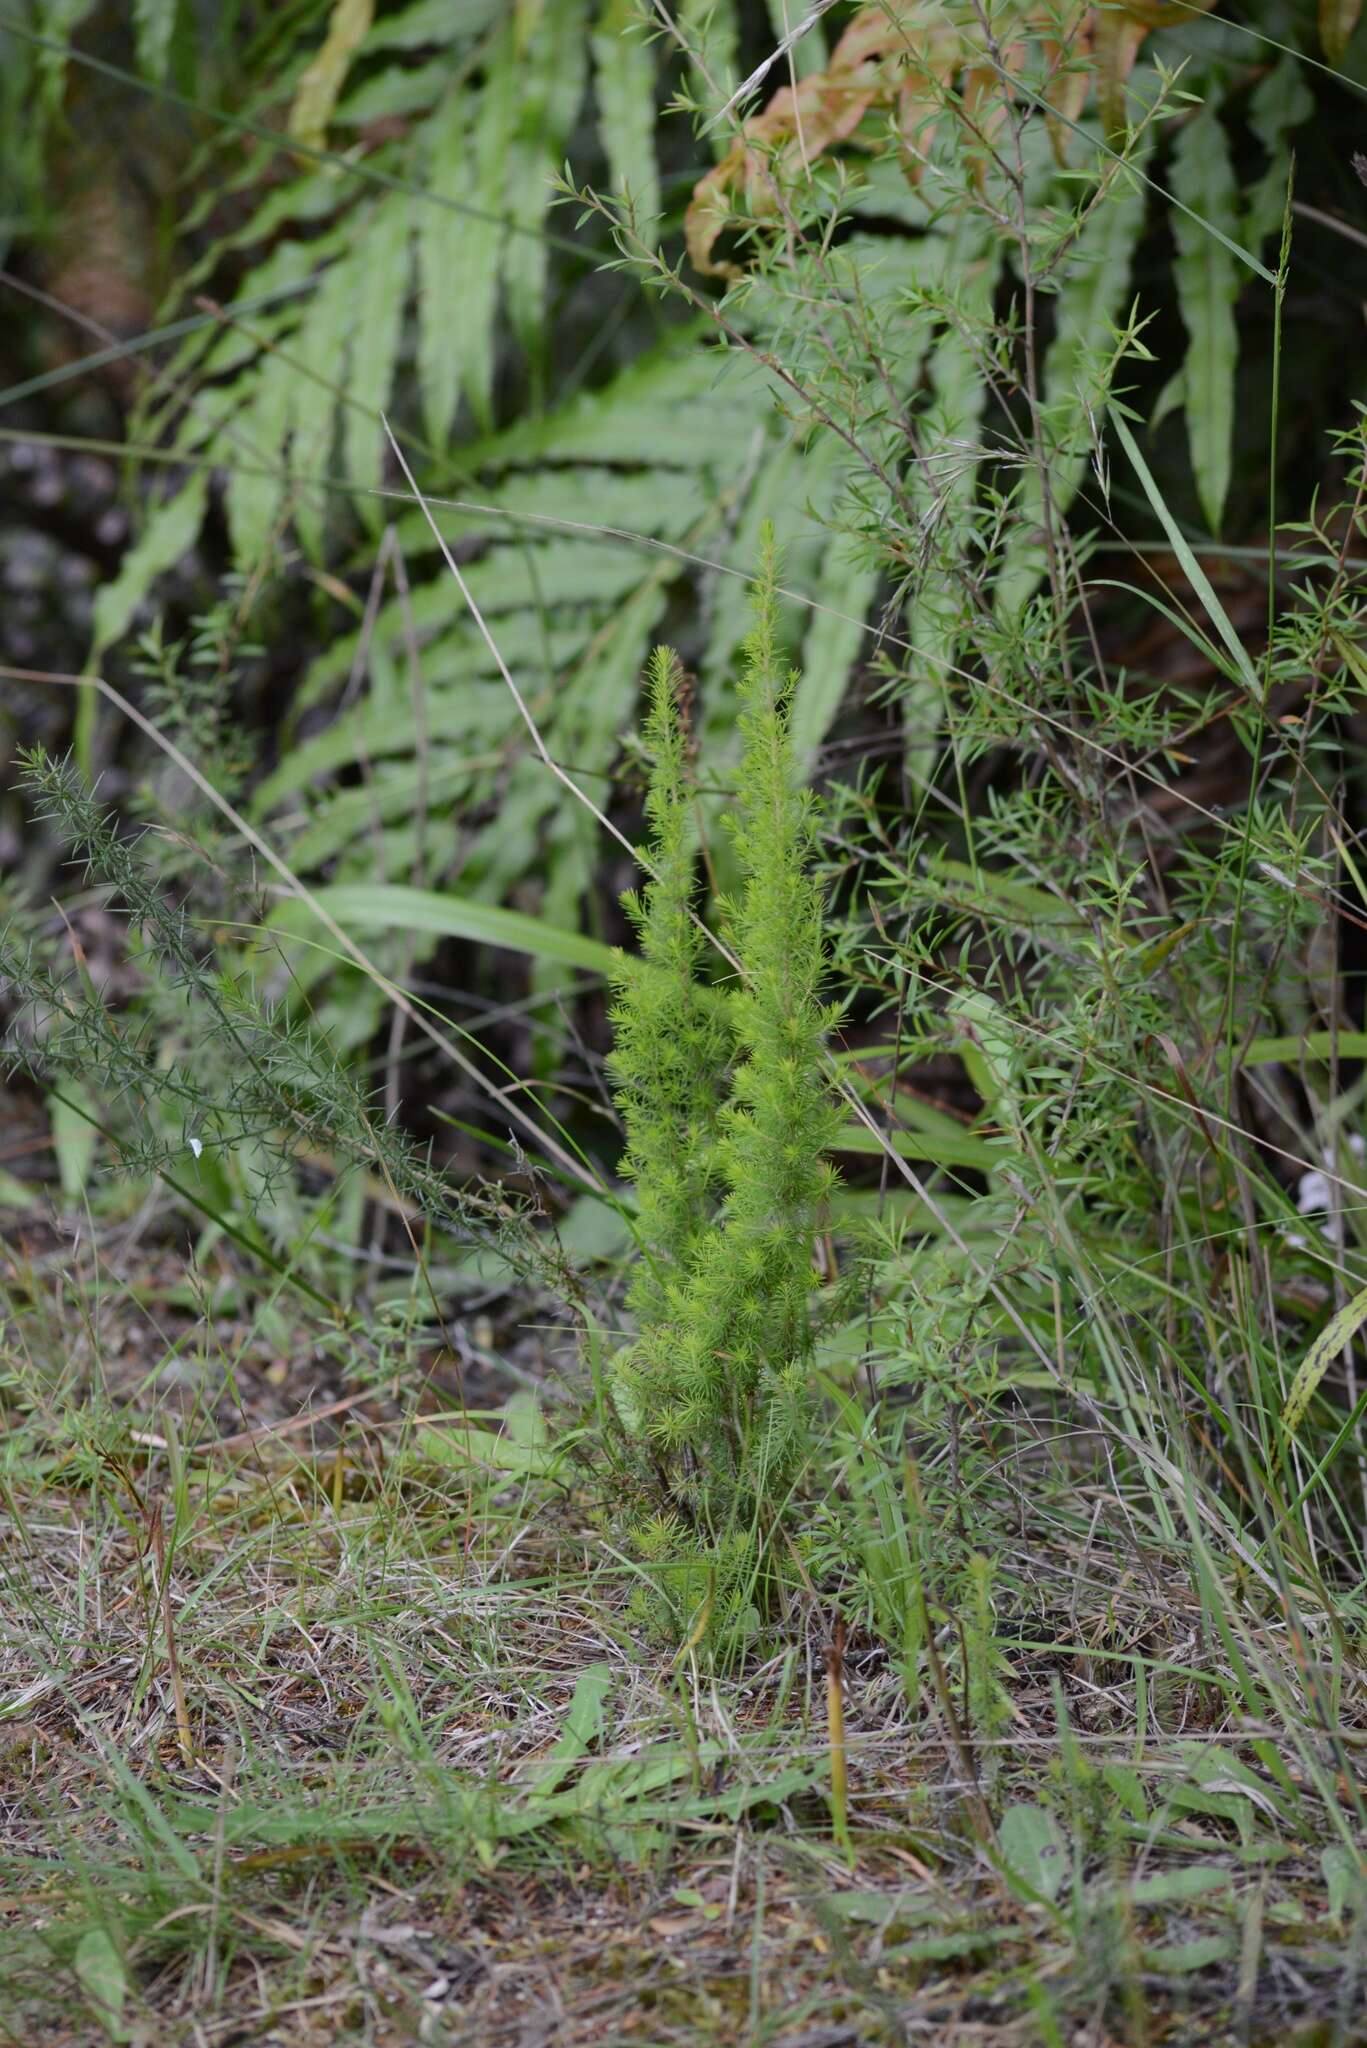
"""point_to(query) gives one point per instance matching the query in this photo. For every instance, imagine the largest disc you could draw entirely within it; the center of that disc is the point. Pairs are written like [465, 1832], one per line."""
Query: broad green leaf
[1184, 1958]
[491, 1450]
[1173, 1887]
[624, 82]
[789, 478]
[362, 907]
[1035, 1848]
[172, 528]
[935, 1148]
[648, 501]
[581, 1729]
[475, 717]
[1337, 1333]
[14, 1193]
[1345, 1878]
[1308, 1045]
[71, 1113]
[987, 1045]
[1127, 1785]
[1208, 285]
[1003, 896]
[101, 1975]
[60, 19]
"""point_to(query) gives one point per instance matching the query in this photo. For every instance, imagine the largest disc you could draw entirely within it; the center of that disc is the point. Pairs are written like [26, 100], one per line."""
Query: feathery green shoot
[732, 1182]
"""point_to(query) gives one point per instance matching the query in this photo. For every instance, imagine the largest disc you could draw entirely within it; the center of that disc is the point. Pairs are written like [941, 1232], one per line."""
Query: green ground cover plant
[680, 1332]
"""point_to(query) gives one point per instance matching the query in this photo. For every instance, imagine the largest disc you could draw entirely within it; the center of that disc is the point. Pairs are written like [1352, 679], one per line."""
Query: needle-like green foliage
[672, 1035]
[732, 1179]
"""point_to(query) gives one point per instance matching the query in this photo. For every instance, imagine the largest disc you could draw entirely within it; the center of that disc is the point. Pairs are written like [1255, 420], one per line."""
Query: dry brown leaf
[798, 125]
[904, 57]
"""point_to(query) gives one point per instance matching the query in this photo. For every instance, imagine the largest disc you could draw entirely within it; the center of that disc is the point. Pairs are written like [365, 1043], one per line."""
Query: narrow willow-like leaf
[1336, 1335]
[388, 907]
[624, 81]
[1191, 568]
[1208, 284]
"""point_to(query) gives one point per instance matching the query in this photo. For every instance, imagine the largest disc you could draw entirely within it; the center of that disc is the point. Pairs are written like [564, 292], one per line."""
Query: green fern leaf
[432, 21]
[448, 338]
[254, 499]
[711, 29]
[672, 406]
[1282, 102]
[171, 530]
[549, 88]
[1208, 284]
[320, 348]
[835, 640]
[944, 486]
[624, 80]
[475, 277]
[376, 337]
[1090, 302]
[318, 89]
[154, 22]
[58, 21]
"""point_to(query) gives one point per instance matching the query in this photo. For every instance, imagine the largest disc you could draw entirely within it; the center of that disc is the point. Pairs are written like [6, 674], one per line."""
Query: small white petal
[196, 1147]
